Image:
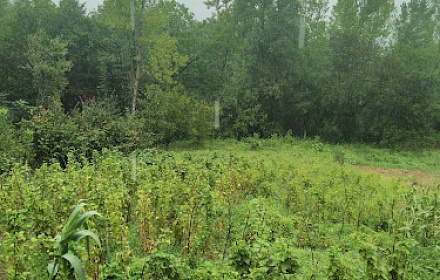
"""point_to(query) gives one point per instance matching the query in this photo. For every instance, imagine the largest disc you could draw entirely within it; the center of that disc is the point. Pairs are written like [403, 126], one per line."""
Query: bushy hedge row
[44, 136]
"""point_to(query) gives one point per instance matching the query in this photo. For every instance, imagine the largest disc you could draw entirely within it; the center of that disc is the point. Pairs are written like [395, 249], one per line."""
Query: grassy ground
[414, 167]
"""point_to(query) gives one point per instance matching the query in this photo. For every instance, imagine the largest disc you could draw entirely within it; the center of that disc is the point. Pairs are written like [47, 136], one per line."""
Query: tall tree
[118, 52]
[3, 6]
[356, 29]
[146, 29]
[416, 53]
[84, 39]
[23, 18]
[314, 70]
[48, 65]
[162, 59]
[262, 50]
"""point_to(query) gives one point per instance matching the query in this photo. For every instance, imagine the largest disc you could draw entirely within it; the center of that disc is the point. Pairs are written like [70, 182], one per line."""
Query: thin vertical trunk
[138, 59]
[136, 85]
[217, 115]
[302, 27]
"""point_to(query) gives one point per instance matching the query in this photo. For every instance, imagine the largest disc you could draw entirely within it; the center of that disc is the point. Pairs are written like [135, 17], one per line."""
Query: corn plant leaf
[72, 218]
[78, 222]
[58, 240]
[52, 269]
[78, 235]
[77, 265]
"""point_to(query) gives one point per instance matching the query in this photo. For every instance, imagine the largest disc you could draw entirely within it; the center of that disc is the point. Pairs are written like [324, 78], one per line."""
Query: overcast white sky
[196, 6]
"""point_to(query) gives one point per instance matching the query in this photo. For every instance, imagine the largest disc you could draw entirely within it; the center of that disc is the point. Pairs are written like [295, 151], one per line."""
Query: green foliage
[291, 210]
[20, 111]
[422, 217]
[363, 74]
[210, 270]
[16, 77]
[72, 232]
[261, 260]
[166, 266]
[343, 266]
[95, 128]
[163, 60]
[241, 114]
[48, 65]
[7, 140]
[85, 48]
[14, 146]
[169, 115]
[267, 207]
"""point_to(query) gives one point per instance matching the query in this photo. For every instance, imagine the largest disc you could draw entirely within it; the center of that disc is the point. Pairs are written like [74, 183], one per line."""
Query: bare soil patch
[429, 178]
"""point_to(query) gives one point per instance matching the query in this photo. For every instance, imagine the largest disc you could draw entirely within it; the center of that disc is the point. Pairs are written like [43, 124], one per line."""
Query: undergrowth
[280, 208]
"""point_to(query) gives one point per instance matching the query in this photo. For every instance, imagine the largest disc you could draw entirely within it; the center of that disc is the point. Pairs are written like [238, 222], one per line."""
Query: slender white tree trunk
[217, 114]
[302, 27]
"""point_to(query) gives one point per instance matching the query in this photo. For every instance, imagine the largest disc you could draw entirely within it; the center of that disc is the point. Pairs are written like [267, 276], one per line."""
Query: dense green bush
[95, 128]
[13, 145]
[169, 115]
[410, 139]
[20, 110]
[264, 260]
[242, 116]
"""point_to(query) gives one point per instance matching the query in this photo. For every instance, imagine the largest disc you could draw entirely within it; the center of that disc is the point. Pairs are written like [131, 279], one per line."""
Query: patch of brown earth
[429, 178]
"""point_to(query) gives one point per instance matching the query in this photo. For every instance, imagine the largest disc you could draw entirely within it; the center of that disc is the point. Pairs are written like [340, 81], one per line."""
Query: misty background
[195, 6]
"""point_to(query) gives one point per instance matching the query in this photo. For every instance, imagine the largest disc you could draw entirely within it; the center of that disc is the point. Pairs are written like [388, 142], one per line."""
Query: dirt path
[430, 178]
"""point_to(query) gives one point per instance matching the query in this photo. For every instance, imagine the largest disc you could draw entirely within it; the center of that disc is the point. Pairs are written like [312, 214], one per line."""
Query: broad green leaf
[58, 240]
[73, 217]
[76, 236]
[78, 222]
[52, 269]
[77, 265]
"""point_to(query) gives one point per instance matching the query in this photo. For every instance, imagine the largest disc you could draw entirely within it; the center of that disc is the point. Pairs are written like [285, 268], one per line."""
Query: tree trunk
[138, 59]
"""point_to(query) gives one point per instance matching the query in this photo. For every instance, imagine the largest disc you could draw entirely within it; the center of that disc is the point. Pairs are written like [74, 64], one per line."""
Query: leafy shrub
[210, 270]
[344, 265]
[410, 139]
[263, 260]
[242, 116]
[161, 265]
[225, 214]
[170, 116]
[95, 128]
[20, 110]
[13, 148]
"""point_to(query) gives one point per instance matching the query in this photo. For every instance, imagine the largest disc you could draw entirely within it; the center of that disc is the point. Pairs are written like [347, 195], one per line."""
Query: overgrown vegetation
[66, 263]
[259, 209]
[116, 108]
[360, 71]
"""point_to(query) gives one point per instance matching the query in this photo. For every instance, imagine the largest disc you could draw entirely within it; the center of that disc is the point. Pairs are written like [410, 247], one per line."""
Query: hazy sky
[196, 6]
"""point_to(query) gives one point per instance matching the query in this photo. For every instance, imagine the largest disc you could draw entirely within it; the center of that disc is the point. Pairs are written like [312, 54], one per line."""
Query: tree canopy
[360, 71]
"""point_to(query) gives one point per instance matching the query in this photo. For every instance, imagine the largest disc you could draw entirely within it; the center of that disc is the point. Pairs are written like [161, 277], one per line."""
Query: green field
[279, 208]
